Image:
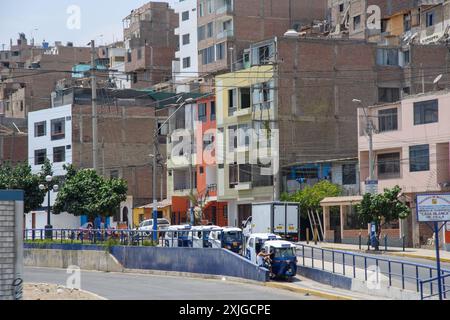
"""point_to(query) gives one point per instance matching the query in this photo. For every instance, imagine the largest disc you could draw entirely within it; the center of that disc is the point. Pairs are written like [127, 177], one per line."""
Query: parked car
[147, 225]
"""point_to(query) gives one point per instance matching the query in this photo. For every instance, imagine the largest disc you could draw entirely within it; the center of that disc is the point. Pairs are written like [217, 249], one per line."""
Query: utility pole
[94, 109]
[369, 130]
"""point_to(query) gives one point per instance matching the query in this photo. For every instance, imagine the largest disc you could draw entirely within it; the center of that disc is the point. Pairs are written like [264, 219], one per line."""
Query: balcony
[225, 34]
[225, 10]
[243, 186]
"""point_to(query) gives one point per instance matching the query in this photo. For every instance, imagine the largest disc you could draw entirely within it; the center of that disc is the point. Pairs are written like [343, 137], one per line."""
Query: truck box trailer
[281, 218]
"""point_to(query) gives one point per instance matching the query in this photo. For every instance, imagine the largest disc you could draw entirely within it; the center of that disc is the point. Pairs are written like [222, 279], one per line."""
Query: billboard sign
[433, 208]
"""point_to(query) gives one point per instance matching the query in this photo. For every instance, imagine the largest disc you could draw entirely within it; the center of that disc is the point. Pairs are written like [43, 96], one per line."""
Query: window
[419, 158]
[208, 55]
[209, 6]
[210, 30]
[186, 62]
[58, 129]
[139, 54]
[201, 33]
[260, 178]
[245, 98]
[201, 9]
[201, 170]
[263, 96]
[21, 105]
[186, 39]
[407, 57]
[220, 51]
[426, 112]
[245, 173]
[40, 129]
[388, 95]
[387, 57]
[40, 156]
[233, 175]
[232, 138]
[388, 120]
[114, 174]
[232, 101]
[202, 112]
[341, 7]
[59, 154]
[185, 16]
[430, 19]
[407, 22]
[213, 110]
[244, 134]
[348, 174]
[389, 165]
[356, 22]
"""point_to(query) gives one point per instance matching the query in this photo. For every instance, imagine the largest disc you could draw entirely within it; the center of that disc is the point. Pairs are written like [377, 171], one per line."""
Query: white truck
[280, 218]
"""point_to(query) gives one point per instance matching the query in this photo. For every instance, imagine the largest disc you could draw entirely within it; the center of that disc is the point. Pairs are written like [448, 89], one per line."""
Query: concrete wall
[11, 265]
[186, 260]
[204, 261]
[63, 256]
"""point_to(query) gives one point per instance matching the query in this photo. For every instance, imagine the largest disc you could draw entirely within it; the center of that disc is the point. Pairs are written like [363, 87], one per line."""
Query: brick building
[125, 129]
[150, 41]
[227, 27]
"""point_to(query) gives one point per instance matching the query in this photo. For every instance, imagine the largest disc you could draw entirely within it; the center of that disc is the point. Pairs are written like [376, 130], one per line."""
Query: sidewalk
[392, 251]
[303, 285]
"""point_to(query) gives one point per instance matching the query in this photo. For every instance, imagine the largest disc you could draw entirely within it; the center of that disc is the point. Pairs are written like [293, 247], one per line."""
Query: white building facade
[50, 137]
[185, 68]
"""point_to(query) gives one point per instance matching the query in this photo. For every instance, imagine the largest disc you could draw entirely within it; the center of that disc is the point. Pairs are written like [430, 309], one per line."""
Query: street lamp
[48, 187]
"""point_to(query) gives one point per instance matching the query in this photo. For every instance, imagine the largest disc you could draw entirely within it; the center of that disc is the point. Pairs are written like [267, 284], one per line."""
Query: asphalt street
[119, 286]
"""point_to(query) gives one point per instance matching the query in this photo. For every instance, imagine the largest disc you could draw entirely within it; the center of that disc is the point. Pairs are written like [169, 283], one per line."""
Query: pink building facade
[411, 150]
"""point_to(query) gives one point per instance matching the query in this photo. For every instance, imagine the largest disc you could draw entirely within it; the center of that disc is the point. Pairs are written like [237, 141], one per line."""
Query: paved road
[396, 269]
[118, 286]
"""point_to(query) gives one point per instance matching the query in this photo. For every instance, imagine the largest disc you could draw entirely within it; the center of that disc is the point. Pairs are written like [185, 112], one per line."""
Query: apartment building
[392, 22]
[25, 86]
[151, 43]
[227, 27]
[411, 147]
[185, 67]
[116, 56]
[126, 126]
[182, 160]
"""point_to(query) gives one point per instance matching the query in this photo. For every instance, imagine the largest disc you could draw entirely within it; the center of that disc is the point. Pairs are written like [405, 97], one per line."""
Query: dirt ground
[53, 292]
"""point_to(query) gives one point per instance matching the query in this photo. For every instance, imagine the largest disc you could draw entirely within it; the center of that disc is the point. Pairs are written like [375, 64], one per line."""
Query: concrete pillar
[326, 221]
[343, 214]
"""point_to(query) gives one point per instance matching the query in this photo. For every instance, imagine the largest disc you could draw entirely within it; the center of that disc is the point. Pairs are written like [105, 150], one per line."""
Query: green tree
[20, 177]
[310, 197]
[383, 208]
[84, 192]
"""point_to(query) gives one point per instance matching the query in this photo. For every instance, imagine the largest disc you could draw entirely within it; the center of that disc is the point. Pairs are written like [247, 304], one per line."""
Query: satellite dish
[438, 78]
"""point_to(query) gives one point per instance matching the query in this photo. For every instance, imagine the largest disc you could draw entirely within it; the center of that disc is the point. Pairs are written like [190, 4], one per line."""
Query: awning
[161, 205]
[341, 201]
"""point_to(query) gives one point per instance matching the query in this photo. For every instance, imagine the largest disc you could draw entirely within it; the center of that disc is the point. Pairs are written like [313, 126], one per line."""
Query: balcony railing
[225, 34]
[226, 9]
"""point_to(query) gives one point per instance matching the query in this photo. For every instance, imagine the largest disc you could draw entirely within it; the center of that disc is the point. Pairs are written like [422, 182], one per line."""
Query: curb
[414, 256]
[316, 293]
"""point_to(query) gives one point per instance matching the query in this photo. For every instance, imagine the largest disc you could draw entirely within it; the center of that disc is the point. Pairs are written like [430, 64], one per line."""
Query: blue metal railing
[434, 293]
[406, 275]
[166, 238]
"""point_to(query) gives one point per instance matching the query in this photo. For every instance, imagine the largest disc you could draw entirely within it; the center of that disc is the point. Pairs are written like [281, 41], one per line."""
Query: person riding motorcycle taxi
[264, 259]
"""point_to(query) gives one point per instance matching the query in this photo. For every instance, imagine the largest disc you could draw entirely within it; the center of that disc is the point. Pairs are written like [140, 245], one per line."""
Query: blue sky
[98, 17]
